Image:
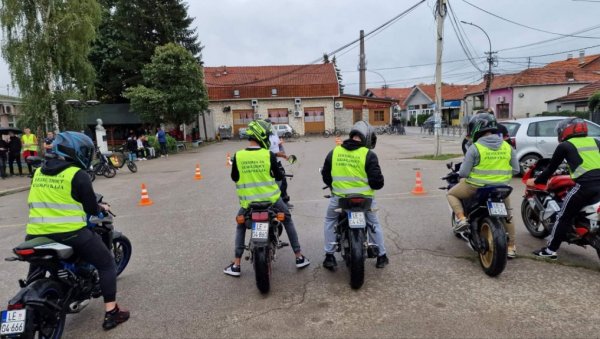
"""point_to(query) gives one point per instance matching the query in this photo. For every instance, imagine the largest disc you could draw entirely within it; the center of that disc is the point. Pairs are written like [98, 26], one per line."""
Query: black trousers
[89, 246]
[12, 157]
[578, 197]
[3, 159]
[283, 186]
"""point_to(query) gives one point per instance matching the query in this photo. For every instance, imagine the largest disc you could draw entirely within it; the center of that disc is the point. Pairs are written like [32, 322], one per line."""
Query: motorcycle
[352, 236]
[37, 162]
[487, 213]
[266, 225]
[103, 166]
[60, 284]
[542, 203]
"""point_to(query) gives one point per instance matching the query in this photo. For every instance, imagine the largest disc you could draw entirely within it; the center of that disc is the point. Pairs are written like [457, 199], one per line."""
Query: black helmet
[76, 147]
[367, 134]
[480, 124]
[571, 128]
[259, 131]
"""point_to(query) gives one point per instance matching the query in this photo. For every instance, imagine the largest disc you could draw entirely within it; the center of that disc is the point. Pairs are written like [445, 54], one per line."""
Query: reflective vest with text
[255, 183]
[589, 153]
[349, 173]
[494, 166]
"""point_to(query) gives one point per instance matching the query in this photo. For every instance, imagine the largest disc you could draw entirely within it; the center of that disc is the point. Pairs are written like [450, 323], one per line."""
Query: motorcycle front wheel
[326, 134]
[357, 258]
[536, 229]
[492, 256]
[132, 166]
[122, 251]
[262, 268]
[109, 171]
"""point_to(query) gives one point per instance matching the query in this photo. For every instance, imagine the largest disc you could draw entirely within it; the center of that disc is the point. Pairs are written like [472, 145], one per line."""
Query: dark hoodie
[81, 185]
[371, 166]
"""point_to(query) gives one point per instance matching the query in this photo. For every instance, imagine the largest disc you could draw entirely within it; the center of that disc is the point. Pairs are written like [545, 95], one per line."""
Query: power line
[556, 53]
[550, 40]
[529, 27]
[457, 30]
[412, 66]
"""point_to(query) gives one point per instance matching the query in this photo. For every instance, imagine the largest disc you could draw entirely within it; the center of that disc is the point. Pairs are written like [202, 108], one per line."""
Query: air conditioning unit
[297, 102]
[298, 114]
[338, 104]
[257, 116]
[254, 102]
[501, 99]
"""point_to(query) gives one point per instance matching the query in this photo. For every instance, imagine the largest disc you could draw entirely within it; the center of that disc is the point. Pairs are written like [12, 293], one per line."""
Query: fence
[455, 131]
[595, 117]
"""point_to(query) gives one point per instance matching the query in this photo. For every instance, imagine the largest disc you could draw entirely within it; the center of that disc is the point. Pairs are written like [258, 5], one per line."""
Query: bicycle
[332, 131]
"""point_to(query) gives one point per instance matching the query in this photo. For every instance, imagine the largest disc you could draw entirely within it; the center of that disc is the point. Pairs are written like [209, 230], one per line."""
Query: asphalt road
[433, 287]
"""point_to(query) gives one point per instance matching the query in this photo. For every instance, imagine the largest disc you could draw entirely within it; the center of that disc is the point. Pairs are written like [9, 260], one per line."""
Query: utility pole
[491, 60]
[362, 65]
[440, 12]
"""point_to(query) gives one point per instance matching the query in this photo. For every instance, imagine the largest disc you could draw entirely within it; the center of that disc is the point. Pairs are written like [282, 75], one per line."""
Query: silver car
[536, 138]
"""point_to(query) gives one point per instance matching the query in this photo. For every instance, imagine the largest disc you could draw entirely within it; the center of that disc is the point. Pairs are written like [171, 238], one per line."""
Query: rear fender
[30, 295]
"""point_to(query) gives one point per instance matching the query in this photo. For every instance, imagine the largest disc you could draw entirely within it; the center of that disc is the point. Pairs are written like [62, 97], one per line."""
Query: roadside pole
[440, 16]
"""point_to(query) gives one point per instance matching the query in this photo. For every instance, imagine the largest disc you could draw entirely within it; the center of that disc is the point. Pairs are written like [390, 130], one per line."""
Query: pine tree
[338, 73]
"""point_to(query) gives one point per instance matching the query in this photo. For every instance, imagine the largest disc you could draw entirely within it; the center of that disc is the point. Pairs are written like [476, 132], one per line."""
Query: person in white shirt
[277, 148]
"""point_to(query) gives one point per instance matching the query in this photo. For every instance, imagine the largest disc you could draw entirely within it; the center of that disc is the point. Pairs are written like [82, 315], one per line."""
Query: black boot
[114, 318]
[329, 262]
[382, 261]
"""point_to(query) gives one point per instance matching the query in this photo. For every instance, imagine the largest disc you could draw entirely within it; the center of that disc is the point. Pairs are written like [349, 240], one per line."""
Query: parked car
[283, 130]
[242, 133]
[430, 123]
[536, 138]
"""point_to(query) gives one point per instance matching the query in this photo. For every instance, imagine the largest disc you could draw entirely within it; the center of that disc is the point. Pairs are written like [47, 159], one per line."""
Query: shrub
[421, 119]
[583, 115]
[171, 143]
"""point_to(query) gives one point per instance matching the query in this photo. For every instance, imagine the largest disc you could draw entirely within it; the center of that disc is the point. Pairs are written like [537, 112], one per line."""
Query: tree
[128, 35]
[325, 58]
[46, 45]
[594, 103]
[338, 73]
[174, 90]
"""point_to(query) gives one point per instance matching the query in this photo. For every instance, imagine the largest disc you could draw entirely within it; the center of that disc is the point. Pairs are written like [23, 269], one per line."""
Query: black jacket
[275, 171]
[81, 185]
[14, 145]
[567, 151]
[371, 166]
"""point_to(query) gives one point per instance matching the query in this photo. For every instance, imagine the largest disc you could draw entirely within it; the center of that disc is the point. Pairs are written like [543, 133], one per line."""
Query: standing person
[3, 157]
[489, 161]
[14, 153]
[582, 154]
[353, 168]
[277, 149]
[59, 211]
[30, 148]
[48, 142]
[255, 173]
[161, 136]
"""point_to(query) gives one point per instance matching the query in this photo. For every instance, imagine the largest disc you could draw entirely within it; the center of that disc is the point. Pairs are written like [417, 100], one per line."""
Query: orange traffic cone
[228, 163]
[418, 190]
[145, 201]
[198, 175]
[338, 140]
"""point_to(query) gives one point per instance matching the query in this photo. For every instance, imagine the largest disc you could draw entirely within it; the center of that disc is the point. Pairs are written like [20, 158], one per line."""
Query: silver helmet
[366, 133]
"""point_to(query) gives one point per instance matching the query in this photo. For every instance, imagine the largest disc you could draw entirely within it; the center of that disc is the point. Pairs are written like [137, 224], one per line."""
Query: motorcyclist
[361, 175]
[255, 173]
[582, 154]
[61, 195]
[277, 148]
[489, 161]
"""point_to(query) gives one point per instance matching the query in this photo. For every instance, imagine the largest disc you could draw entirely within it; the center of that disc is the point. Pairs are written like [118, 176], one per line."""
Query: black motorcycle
[103, 165]
[266, 226]
[61, 283]
[487, 213]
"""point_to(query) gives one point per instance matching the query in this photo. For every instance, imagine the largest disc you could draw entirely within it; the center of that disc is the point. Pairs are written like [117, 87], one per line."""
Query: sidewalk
[14, 184]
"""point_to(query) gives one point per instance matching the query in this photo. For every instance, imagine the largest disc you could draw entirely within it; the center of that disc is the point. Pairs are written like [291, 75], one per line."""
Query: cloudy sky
[274, 32]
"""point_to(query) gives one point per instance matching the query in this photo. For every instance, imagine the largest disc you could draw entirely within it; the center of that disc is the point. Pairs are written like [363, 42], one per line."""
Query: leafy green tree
[174, 90]
[128, 35]
[594, 103]
[46, 45]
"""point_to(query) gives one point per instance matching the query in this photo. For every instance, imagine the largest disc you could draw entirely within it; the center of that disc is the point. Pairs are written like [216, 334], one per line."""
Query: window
[558, 107]
[242, 117]
[593, 130]
[424, 106]
[274, 92]
[12, 121]
[8, 109]
[314, 114]
[543, 128]
[379, 116]
[279, 115]
[581, 107]
[512, 128]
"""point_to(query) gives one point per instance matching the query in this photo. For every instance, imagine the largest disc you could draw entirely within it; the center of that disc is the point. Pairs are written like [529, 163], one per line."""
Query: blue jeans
[331, 219]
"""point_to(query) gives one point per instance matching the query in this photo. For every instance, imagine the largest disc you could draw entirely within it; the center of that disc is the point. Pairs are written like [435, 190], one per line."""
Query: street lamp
[385, 86]
[490, 61]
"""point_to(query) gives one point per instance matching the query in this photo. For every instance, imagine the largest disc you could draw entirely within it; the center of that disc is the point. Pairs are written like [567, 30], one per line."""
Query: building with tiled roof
[575, 101]
[526, 93]
[10, 108]
[397, 94]
[299, 95]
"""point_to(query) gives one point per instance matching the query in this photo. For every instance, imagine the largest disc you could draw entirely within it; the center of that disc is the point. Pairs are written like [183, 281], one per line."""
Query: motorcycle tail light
[25, 252]
[260, 216]
[357, 200]
[280, 216]
[581, 231]
[240, 219]
[15, 307]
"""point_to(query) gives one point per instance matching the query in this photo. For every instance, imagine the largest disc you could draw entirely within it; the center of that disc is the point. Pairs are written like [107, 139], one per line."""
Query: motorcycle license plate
[497, 209]
[356, 219]
[260, 230]
[13, 322]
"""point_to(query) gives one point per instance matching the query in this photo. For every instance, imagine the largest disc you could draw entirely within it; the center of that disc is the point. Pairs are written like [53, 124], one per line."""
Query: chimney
[569, 56]
[581, 57]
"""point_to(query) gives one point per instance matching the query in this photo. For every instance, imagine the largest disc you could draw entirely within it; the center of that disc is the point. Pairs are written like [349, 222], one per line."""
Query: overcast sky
[277, 32]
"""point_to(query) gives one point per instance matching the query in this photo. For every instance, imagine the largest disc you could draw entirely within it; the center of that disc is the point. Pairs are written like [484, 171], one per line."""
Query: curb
[14, 190]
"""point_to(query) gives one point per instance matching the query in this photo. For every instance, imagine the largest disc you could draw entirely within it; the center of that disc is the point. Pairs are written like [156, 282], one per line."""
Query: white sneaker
[461, 225]
[233, 270]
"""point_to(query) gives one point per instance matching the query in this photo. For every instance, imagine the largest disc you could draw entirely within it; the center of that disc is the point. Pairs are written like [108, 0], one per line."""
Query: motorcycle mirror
[320, 170]
[99, 197]
[449, 165]
[292, 159]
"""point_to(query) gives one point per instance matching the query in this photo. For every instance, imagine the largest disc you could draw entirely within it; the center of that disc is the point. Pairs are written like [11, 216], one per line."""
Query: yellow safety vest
[52, 209]
[255, 183]
[589, 153]
[29, 139]
[494, 166]
[348, 172]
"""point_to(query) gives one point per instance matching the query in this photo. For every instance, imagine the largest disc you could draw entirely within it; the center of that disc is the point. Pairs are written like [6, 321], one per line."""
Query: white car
[283, 130]
[536, 138]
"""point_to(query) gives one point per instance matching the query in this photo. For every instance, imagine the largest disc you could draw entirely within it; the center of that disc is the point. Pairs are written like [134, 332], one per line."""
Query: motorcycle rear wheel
[46, 326]
[532, 227]
[262, 268]
[122, 251]
[493, 260]
[357, 258]
[326, 134]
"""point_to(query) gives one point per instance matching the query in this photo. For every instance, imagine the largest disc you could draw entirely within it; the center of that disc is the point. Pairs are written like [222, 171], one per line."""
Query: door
[241, 118]
[546, 137]
[314, 120]
[502, 111]
[356, 115]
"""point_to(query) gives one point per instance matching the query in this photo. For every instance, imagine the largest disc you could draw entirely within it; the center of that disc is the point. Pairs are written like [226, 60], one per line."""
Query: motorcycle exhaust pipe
[77, 306]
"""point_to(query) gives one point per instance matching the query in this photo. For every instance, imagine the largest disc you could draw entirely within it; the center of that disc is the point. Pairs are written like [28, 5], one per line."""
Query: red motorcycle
[542, 203]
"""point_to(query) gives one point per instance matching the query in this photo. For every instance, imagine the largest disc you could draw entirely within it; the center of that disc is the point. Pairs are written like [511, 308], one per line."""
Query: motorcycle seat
[43, 245]
[260, 205]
